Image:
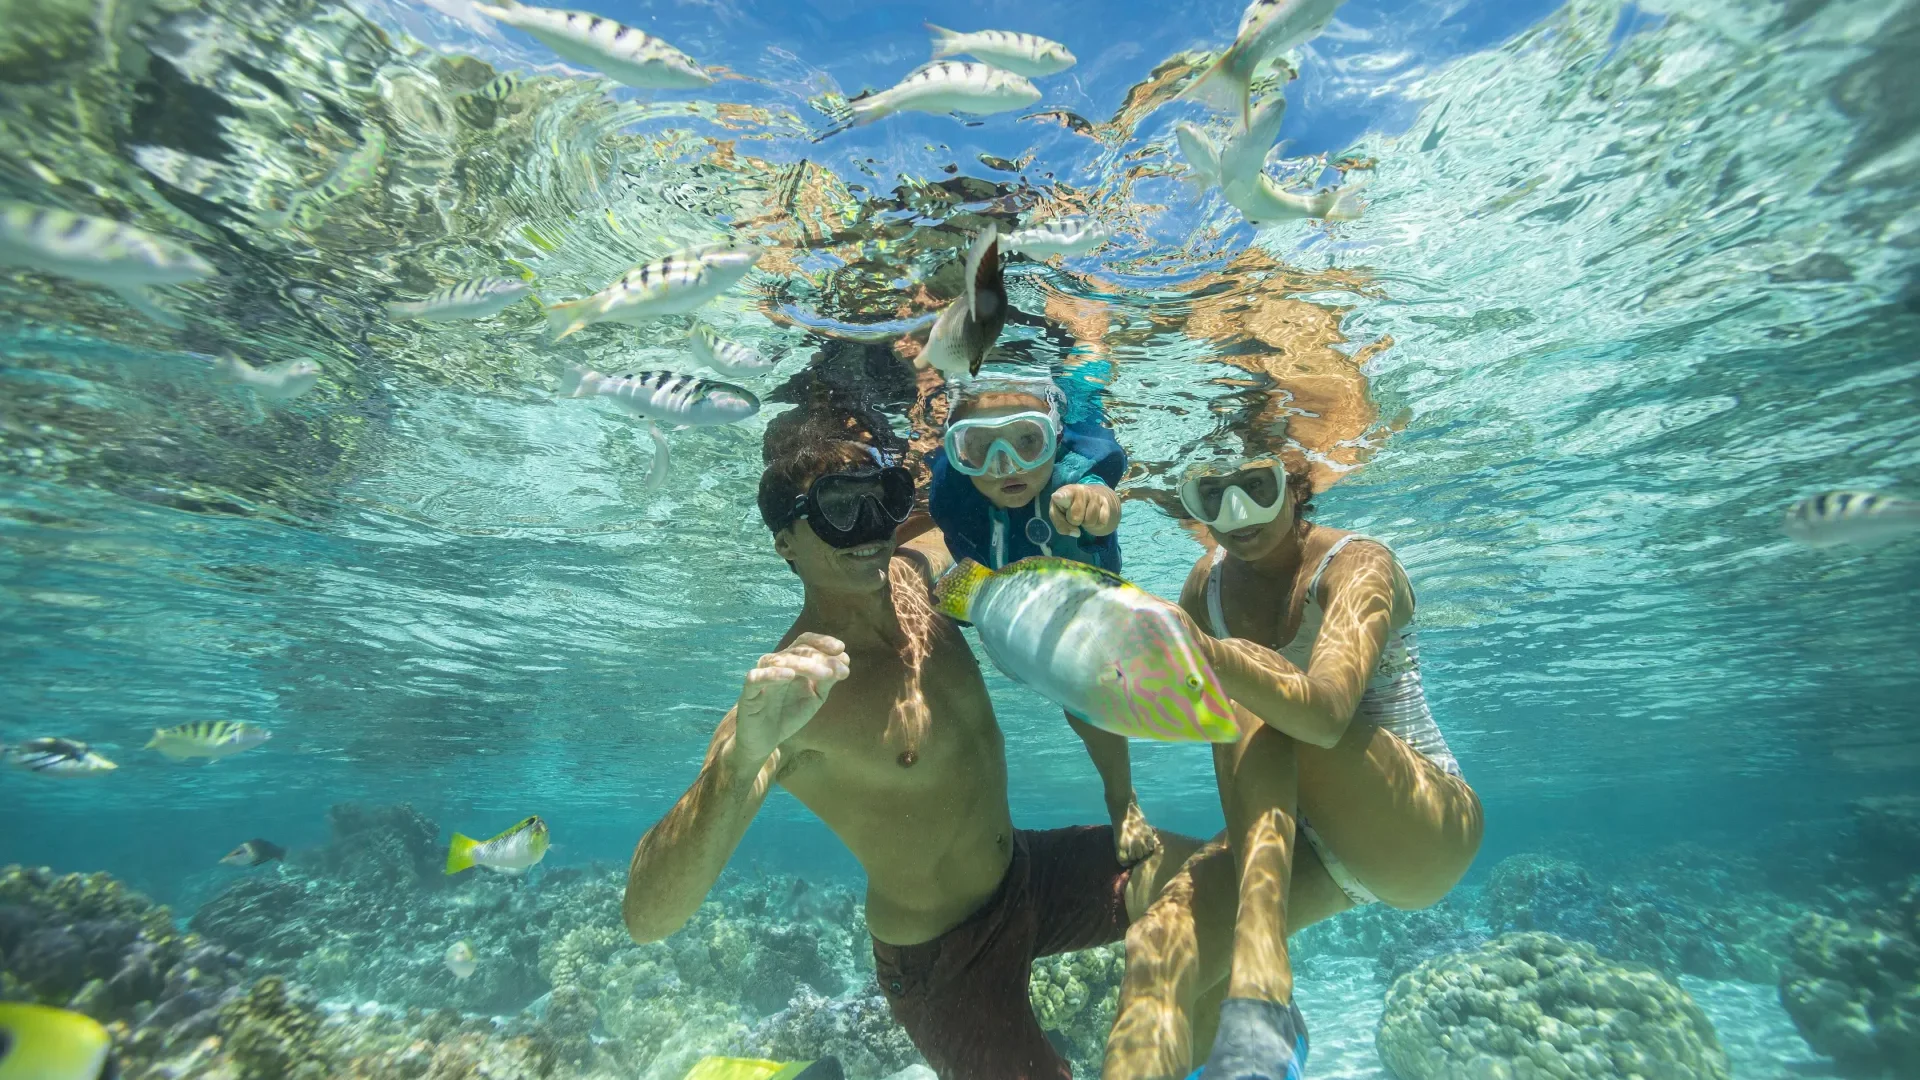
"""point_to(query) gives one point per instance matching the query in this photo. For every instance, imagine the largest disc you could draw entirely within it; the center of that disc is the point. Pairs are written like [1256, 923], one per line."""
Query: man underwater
[873, 713]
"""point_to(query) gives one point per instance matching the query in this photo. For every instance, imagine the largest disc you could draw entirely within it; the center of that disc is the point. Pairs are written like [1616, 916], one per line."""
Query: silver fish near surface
[98, 251]
[1023, 54]
[475, 299]
[726, 357]
[55, 757]
[1267, 28]
[969, 326]
[629, 55]
[1861, 518]
[948, 86]
[1064, 236]
[283, 381]
[357, 169]
[1239, 169]
[674, 285]
[666, 396]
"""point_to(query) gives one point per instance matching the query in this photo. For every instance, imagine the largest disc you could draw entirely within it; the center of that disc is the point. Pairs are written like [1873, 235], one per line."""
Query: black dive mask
[856, 507]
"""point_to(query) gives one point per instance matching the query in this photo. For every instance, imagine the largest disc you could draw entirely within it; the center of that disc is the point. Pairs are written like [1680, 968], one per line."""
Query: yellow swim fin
[460, 853]
[953, 593]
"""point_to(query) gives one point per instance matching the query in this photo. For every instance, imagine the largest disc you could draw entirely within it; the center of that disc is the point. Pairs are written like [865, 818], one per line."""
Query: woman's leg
[1407, 830]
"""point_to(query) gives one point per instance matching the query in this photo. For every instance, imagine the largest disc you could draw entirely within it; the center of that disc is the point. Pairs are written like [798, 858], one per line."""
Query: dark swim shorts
[963, 996]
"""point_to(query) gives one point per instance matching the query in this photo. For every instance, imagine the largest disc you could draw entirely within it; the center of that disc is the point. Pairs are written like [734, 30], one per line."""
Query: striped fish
[1022, 54]
[475, 299]
[512, 851]
[1852, 517]
[1267, 28]
[726, 357]
[356, 170]
[99, 251]
[947, 86]
[631, 56]
[674, 285]
[207, 738]
[665, 396]
[283, 381]
[499, 88]
[56, 757]
[1066, 236]
[1107, 652]
[967, 329]
[1239, 171]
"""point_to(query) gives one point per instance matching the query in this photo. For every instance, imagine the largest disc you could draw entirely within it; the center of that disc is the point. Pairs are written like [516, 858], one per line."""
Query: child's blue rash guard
[978, 530]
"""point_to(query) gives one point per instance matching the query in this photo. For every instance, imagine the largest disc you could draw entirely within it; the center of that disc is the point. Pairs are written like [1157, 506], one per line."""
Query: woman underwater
[1310, 630]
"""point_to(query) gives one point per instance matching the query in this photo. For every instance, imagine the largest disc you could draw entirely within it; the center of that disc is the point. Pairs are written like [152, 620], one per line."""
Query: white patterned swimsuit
[1394, 699]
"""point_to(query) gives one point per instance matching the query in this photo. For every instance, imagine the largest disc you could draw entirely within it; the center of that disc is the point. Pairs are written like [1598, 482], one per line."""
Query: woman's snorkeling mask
[1228, 501]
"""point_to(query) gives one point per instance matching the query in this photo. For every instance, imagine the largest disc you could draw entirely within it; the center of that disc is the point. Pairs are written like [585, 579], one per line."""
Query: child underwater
[1011, 480]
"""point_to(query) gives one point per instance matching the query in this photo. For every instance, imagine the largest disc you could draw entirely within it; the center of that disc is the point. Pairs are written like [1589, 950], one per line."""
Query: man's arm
[679, 859]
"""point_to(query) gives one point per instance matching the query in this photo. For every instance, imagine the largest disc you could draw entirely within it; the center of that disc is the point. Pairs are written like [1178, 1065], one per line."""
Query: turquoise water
[1631, 279]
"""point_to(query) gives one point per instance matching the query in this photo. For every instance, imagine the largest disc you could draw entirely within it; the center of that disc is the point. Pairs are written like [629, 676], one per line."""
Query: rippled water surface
[1631, 279]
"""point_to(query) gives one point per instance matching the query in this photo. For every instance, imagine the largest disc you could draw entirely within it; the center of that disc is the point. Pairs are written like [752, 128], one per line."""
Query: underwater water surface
[1631, 279]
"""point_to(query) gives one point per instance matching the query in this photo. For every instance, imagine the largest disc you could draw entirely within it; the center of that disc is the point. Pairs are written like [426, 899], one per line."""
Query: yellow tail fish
[719, 1068]
[207, 738]
[512, 851]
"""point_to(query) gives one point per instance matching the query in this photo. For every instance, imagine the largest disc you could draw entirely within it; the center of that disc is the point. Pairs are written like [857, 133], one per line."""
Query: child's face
[1021, 488]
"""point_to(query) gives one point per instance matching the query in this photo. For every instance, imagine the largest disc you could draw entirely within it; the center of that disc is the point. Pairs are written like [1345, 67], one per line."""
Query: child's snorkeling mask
[1228, 498]
[1011, 443]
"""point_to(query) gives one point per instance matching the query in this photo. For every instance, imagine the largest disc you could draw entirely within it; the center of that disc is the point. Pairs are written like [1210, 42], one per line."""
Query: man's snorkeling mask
[1007, 444]
[1228, 498]
[855, 507]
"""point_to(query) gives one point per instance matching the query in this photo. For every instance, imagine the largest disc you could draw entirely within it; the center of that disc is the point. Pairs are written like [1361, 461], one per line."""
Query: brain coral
[1534, 1005]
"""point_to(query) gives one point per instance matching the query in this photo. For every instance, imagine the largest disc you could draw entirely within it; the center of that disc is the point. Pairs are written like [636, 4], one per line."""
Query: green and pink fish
[1109, 653]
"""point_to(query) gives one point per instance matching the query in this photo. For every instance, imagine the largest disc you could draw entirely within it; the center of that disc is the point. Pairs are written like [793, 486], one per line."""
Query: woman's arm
[1364, 592]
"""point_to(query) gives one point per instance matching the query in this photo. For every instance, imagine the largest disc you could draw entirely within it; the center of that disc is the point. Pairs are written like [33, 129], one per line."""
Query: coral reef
[1396, 941]
[1075, 995]
[856, 1028]
[1853, 988]
[1534, 1005]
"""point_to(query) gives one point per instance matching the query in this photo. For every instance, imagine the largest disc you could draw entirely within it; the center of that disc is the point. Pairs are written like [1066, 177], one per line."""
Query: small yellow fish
[207, 738]
[39, 1042]
[512, 851]
[719, 1068]
[461, 961]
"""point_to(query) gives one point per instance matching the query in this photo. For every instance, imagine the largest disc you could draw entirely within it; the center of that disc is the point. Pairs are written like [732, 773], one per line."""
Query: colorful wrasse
[99, 251]
[1066, 236]
[475, 299]
[1851, 517]
[512, 851]
[726, 357]
[56, 757]
[355, 170]
[1267, 28]
[461, 961]
[718, 1068]
[631, 56]
[1239, 170]
[1109, 653]
[40, 1042]
[254, 852]
[674, 285]
[207, 738]
[1023, 54]
[948, 86]
[283, 381]
[969, 327]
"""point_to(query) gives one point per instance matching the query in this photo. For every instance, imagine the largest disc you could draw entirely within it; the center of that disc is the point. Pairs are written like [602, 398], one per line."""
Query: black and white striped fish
[499, 88]
[1022, 54]
[665, 396]
[674, 285]
[475, 299]
[1064, 236]
[631, 56]
[56, 757]
[1267, 28]
[947, 86]
[1851, 517]
[207, 738]
[969, 327]
[727, 357]
[283, 381]
[99, 251]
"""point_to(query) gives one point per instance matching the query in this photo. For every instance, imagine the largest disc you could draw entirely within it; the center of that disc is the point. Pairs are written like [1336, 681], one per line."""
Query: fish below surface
[1111, 654]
